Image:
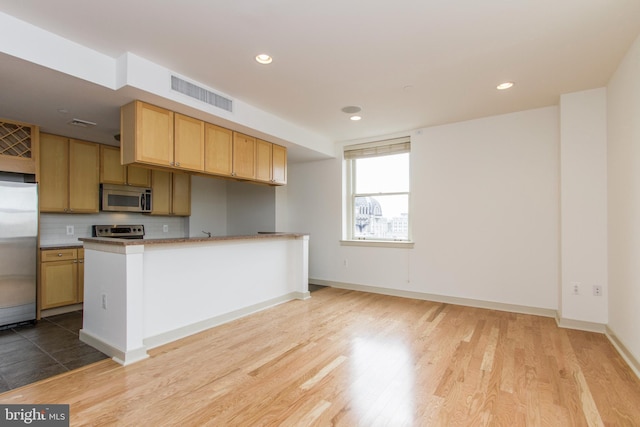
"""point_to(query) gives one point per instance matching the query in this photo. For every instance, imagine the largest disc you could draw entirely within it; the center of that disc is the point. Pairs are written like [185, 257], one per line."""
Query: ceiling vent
[81, 123]
[201, 94]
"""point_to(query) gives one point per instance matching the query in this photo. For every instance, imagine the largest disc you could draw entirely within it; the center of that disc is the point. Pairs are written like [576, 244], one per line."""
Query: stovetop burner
[119, 231]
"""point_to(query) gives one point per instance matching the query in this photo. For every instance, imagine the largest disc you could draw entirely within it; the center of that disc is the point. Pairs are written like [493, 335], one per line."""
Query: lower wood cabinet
[61, 277]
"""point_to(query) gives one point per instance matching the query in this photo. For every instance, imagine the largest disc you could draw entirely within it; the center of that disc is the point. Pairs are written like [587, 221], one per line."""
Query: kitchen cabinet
[154, 136]
[112, 172]
[171, 193]
[18, 147]
[69, 178]
[218, 150]
[263, 160]
[279, 165]
[81, 275]
[188, 143]
[158, 138]
[244, 156]
[271, 163]
[146, 134]
[61, 277]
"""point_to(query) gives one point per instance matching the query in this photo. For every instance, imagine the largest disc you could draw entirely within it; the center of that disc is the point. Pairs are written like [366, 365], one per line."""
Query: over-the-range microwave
[124, 198]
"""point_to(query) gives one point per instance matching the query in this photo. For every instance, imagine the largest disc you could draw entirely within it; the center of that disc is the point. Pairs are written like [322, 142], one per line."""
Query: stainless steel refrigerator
[18, 250]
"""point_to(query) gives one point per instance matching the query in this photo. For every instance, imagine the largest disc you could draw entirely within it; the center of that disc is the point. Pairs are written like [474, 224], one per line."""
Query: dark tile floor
[50, 347]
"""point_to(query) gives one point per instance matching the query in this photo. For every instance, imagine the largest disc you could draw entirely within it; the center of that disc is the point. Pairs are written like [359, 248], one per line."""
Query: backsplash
[53, 227]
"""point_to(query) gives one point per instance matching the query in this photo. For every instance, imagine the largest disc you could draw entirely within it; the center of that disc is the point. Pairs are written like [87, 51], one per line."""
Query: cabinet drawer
[59, 254]
[81, 253]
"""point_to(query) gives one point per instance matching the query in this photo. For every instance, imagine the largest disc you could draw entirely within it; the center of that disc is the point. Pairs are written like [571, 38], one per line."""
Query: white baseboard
[119, 356]
[512, 308]
[580, 325]
[633, 363]
[185, 331]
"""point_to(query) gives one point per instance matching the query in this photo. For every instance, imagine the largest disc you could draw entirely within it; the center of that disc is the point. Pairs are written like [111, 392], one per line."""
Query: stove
[119, 231]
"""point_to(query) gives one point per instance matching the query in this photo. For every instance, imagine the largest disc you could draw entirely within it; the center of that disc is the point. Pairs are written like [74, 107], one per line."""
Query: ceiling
[408, 63]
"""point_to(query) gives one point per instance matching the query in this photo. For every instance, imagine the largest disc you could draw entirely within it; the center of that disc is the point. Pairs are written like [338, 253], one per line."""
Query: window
[378, 191]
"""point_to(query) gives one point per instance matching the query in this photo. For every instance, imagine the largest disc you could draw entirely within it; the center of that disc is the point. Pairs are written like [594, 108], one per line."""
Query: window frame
[375, 149]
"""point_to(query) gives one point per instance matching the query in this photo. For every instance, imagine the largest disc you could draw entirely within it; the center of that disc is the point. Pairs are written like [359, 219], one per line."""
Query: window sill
[378, 243]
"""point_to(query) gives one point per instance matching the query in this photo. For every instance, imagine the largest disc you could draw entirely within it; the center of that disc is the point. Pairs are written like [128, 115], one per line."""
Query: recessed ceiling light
[505, 85]
[355, 118]
[263, 58]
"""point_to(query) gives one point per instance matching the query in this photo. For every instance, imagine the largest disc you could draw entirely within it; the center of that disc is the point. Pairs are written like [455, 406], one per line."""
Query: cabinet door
[138, 177]
[161, 190]
[218, 150]
[181, 194]
[244, 156]
[153, 135]
[80, 275]
[263, 160]
[84, 187]
[111, 171]
[279, 165]
[54, 173]
[59, 283]
[188, 143]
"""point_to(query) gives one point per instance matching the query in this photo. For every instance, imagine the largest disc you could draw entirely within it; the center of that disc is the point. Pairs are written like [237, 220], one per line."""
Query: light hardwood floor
[357, 359]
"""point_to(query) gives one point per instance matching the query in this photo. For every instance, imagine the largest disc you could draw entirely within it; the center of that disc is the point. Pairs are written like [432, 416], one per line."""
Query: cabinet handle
[59, 254]
[81, 261]
[75, 261]
[177, 163]
[172, 164]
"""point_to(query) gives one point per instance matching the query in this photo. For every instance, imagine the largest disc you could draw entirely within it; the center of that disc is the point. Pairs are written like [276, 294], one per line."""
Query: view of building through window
[381, 197]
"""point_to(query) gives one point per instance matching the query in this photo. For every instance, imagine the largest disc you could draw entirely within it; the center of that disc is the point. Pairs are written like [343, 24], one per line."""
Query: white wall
[53, 227]
[583, 189]
[623, 110]
[208, 206]
[250, 208]
[485, 214]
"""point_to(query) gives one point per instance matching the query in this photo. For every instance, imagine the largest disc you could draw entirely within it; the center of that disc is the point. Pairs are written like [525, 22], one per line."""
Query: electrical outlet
[575, 288]
[597, 290]
[165, 228]
[104, 301]
[70, 230]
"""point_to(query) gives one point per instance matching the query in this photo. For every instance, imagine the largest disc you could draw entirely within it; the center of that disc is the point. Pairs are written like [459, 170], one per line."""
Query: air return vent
[201, 94]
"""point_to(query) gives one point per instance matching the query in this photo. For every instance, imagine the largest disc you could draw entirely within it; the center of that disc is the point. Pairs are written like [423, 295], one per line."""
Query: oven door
[117, 198]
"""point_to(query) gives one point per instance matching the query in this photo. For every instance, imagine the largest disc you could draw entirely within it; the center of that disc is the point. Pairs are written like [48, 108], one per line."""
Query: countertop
[146, 242]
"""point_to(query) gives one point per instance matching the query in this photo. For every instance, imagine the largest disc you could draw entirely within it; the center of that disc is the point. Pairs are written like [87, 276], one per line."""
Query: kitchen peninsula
[140, 294]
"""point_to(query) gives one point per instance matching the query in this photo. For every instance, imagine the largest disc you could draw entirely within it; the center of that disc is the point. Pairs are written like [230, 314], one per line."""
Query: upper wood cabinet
[154, 136]
[218, 150]
[244, 156]
[271, 163]
[171, 193]
[18, 147]
[146, 134]
[162, 139]
[188, 143]
[112, 172]
[263, 160]
[279, 165]
[68, 175]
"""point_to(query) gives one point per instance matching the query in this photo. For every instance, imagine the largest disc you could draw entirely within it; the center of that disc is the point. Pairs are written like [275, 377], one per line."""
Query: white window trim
[372, 149]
